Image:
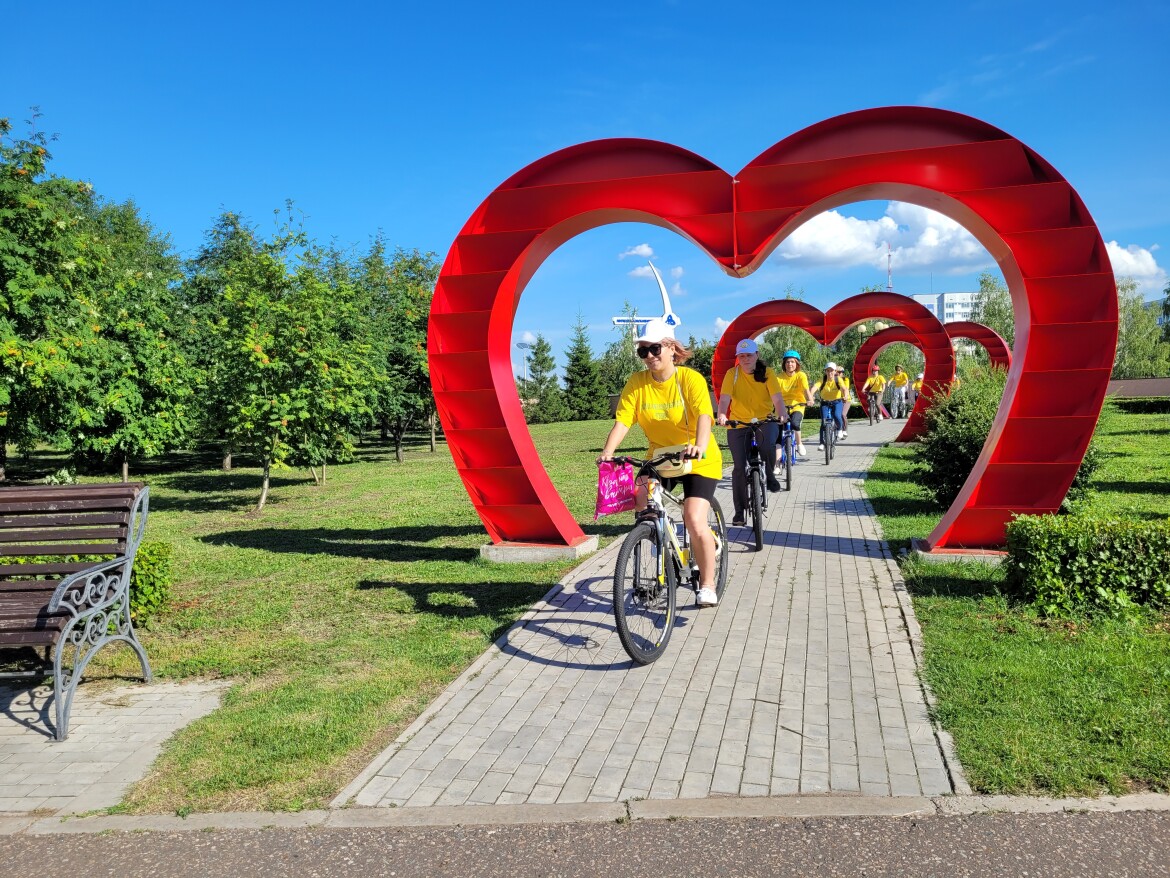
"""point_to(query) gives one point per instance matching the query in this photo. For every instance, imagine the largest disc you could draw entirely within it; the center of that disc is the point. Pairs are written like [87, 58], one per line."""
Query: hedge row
[1068, 564]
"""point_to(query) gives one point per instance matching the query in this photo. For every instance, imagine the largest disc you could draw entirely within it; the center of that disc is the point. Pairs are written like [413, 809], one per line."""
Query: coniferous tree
[541, 394]
[586, 398]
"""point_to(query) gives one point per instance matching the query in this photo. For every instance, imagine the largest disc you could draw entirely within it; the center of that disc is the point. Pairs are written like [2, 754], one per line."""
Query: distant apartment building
[948, 307]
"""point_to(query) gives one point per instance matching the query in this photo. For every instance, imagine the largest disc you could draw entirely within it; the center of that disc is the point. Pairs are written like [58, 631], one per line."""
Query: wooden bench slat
[28, 638]
[65, 504]
[64, 519]
[103, 548]
[98, 489]
[25, 571]
[48, 534]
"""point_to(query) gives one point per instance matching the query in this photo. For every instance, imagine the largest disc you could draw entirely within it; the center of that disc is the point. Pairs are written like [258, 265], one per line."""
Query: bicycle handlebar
[756, 422]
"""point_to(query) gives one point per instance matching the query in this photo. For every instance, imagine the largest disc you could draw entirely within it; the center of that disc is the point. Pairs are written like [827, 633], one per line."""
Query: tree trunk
[433, 418]
[3, 455]
[227, 461]
[264, 485]
[313, 473]
[398, 445]
[125, 469]
[385, 428]
[324, 464]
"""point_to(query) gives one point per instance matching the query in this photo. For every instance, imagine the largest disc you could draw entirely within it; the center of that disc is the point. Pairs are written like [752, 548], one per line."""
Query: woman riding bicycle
[899, 384]
[846, 402]
[672, 405]
[874, 386]
[750, 390]
[832, 393]
[794, 386]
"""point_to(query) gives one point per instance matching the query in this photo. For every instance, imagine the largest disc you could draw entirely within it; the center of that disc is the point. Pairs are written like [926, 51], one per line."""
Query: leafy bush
[1143, 405]
[1072, 564]
[150, 580]
[956, 428]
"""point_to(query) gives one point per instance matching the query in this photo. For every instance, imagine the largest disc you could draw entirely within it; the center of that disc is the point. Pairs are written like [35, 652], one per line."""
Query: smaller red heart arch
[921, 328]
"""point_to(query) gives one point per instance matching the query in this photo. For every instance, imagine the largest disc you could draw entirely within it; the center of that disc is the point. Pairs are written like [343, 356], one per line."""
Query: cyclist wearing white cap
[833, 393]
[916, 389]
[672, 405]
[750, 390]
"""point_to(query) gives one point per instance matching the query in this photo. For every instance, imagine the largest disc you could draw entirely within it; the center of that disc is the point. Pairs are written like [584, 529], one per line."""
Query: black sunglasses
[645, 351]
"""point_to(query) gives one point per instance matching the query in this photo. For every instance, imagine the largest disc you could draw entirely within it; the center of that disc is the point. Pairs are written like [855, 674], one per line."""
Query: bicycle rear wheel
[756, 505]
[719, 532]
[643, 607]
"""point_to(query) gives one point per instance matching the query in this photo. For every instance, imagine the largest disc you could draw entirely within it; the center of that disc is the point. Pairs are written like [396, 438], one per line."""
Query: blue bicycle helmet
[794, 354]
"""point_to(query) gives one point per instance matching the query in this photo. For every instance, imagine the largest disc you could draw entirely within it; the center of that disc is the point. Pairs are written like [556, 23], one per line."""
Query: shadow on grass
[379, 544]
[219, 492]
[879, 476]
[501, 601]
[956, 580]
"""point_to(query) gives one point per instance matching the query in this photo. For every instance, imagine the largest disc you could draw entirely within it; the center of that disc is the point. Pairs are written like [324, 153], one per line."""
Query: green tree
[286, 382]
[544, 402]
[1166, 314]
[138, 381]
[47, 319]
[702, 354]
[1141, 352]
[585, 396]
[993, 307]
[619, 360]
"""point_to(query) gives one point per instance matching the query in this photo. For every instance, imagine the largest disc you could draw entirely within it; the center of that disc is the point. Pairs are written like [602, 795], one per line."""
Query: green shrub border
[1140, 405]
[150, 580]
[1067, 565]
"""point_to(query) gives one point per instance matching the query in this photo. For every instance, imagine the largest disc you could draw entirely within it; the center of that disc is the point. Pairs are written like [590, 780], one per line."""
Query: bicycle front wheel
[827, 434]
[756, 488]
[789, 451]
[719, 532]
[643, 607]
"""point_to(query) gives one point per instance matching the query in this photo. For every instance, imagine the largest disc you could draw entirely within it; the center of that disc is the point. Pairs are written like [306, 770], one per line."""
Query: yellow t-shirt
[899, 379]
[749, 398]
[829, 390]
[795, 388]
[917, 385]
[668, 414]
[875, 384]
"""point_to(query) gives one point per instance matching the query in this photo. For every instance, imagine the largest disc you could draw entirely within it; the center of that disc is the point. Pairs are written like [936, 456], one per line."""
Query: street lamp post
[524, 346]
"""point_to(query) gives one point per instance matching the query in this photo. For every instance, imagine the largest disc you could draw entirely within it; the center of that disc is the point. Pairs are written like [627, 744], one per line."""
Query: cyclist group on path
[672, 405]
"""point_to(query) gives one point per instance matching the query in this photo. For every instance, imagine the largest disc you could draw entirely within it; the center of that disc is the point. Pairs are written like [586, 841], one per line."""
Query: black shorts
[694, 486]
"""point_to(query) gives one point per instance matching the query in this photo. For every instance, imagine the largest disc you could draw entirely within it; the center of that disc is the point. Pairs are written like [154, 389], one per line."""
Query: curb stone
[730, 807]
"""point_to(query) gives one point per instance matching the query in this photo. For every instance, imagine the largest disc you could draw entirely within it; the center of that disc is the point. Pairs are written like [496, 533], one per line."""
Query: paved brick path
[803, 680]
[114, 736]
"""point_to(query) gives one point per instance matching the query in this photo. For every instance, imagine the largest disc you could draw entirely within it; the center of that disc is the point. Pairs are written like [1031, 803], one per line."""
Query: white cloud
[677, 272]
[677, 290]
[1138, 263]
[528, 337]
[643, 251]
[641, 271]
[721, 324]
[919, 238]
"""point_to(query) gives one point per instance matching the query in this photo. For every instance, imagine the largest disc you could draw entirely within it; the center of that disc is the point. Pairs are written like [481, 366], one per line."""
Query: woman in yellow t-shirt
[794, 386]
[845, 404]
[832, 391]
[672, 405]
[916, 389]
[873, 388]
[899, 384]
[750, 390]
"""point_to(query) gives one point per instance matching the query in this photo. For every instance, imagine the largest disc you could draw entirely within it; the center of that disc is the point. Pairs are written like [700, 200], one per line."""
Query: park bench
[66, 552]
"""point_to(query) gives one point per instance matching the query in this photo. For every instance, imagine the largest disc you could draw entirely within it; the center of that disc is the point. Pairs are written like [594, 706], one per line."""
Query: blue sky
[403, 117]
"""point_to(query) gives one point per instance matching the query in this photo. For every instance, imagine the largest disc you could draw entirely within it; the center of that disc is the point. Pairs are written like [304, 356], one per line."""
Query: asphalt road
[1059, 844]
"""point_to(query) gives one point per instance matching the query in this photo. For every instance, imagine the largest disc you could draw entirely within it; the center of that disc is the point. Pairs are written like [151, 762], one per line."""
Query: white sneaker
[776, 470]
[800, 452]
[880, 418]
[707, 597]
[844, 435]
[821, 447]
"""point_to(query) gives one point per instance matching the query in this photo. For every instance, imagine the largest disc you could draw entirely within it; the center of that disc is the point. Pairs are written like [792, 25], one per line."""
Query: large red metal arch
[1013, 201]
[921, 329]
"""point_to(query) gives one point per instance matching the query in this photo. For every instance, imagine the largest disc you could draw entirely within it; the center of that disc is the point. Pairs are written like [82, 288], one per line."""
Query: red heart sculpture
[867, 355]
[921, 328]
[1015, 203]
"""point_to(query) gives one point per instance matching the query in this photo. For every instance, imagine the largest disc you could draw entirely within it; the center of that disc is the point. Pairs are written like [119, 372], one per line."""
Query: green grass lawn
[1039, 706]
[340, 611]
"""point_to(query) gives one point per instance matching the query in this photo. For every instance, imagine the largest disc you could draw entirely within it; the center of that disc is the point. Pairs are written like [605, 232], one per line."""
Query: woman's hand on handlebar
[721, 419]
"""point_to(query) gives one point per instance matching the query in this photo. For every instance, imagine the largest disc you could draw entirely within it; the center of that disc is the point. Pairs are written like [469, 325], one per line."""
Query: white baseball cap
[656, 330]
[921, 375]
[747, 346]
[831, 365]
